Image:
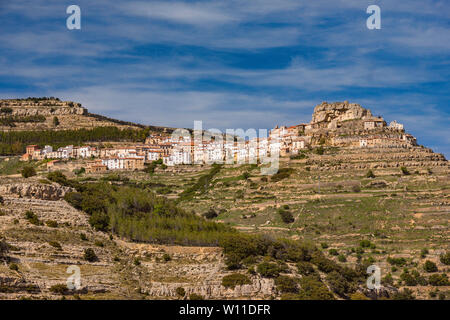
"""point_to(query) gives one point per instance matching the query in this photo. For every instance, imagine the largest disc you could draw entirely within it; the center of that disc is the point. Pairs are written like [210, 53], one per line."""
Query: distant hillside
[40, 114]
[52, 121]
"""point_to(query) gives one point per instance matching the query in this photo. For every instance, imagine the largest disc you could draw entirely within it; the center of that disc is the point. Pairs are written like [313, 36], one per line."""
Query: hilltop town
[333, 125]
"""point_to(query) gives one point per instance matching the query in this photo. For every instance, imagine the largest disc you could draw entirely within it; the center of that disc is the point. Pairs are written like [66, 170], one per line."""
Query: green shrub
[430, 266]
[51, 223]
[445, 258]
[2, 200]
[405, 171]
[314, 289]
[32, 218]
[396, 261]
[83, 237]
[166, 257]
[408, 279]
[28, 172]
[286, 284]
[236, 279]
[268, 269]
[338, 283]
[324, 264]
[370, 174]
[59, 289]
[99, 221]
[55, 244]
[89, 255]
[333, 252]
[286, 216]
[14, 267]
[320, 150]
[99, 243]
[137, 261]
[406, 294]
[210, 214]
[438, 280]
[305, 268]
[366, 244]
[282, 173]
[342, 258]
[180, 292]
[423, 252]
[388, 279]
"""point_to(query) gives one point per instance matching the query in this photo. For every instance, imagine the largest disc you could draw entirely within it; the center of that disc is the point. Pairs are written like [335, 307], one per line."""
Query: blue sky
[234, 64]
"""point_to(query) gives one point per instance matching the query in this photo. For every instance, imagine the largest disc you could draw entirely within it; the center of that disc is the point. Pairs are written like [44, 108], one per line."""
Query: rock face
[51, 192]
[259, 288]
[339, 111]
[71, 115]
[52, 107]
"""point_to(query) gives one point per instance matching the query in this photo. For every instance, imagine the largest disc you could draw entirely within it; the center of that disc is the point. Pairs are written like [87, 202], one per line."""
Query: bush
[358, 296]
[388, 279]
[4, 248]
[210, 214]
[333, 252]
[14, 267]
[408, 279]
[438, 280]
[365, 244]
[99, 221]
[89, 255]
[98, 243]
[324, 264]
[236, 279]
[396, 261]
[424, 252]
[286, 284]
[2, 201]
[445, 258]
[166, 257]
[356, 188]
[338, 283]
[194, 296]
[430, 266]
[268, 269]
[305, 268]
[314, 289]
[342, 258]
[406, 294]
[55, 244]
[52, 223]
[286, 216]
[32, 218]
[370, 174]
[83, 237]
[282, 173]
[405, 171]
[28, 172]
[180, 292]
[59, 289]
[319, 150]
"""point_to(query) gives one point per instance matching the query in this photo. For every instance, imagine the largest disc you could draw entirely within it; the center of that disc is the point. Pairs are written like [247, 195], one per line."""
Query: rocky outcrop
[338, 111]
[259, 288]
[51, 192]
